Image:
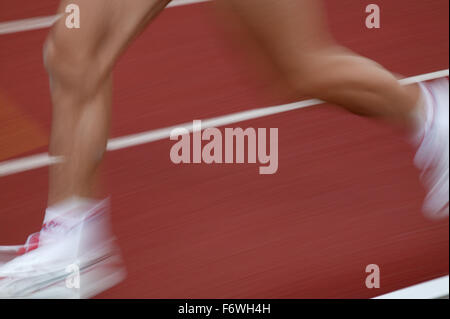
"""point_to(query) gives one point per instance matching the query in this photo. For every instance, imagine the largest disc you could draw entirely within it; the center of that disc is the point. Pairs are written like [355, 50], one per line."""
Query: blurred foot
[73, 256]
[432, 156]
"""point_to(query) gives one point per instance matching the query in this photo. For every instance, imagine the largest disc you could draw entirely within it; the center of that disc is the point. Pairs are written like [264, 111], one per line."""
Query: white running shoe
[66, 259]
[432, 156]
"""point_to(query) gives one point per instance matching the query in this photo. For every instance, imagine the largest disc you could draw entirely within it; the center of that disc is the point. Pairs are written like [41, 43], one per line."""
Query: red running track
[346, 193]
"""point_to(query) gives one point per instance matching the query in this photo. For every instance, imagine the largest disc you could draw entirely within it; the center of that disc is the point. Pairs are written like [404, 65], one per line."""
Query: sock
[70, 210]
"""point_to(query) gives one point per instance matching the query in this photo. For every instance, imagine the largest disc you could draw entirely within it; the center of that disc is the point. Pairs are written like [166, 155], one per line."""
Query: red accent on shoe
[31, 244]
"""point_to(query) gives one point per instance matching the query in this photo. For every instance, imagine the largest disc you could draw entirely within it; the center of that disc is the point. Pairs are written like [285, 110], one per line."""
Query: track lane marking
[24, 164]
[43, 22]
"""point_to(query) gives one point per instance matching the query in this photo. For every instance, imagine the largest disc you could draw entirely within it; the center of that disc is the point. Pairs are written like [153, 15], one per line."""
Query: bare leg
[79, 63]
[76, 229]
[295, 36]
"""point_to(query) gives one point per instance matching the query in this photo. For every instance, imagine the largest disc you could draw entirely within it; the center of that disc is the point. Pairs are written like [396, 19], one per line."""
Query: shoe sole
[95, 277]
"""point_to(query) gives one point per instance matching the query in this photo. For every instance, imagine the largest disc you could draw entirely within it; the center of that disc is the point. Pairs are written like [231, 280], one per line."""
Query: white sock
[71, 210]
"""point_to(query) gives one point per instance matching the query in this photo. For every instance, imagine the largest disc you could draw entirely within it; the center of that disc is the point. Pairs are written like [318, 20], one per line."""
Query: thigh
[106, 28]
[287, 29]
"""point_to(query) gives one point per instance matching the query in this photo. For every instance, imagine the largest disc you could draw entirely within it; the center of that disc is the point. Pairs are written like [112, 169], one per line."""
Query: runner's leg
[295, 36]
[79, 64]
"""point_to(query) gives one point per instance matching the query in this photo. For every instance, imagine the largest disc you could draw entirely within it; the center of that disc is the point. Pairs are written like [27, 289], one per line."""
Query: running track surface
[346, 193]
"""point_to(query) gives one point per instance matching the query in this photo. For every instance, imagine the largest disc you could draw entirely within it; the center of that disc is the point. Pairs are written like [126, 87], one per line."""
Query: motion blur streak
[346, 193]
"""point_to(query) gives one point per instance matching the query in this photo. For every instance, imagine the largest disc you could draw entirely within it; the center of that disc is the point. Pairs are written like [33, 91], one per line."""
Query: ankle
[70, 208]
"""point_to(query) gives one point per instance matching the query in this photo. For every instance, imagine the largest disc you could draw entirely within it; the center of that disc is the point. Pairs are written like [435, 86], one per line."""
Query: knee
[313, 72]
[59, 60]
[307, 75]
[68, 66]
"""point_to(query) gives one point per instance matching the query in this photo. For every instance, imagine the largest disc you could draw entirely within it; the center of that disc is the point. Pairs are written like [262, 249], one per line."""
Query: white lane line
[433, 289]
[155, 135]
[424, 77]
[9, 249]
[47, 21]
[41, 160]
[27, 163]
[28, 24]
[176, 3]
